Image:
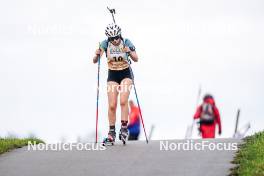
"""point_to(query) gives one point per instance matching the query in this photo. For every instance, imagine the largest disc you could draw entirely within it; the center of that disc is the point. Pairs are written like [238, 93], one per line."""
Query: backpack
[207, 114]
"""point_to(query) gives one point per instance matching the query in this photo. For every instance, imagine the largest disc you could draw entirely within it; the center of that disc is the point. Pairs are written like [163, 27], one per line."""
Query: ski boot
[123, 134]
[110, 140]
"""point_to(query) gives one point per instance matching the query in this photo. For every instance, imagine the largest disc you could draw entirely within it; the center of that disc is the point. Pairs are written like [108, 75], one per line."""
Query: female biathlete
[119, 79]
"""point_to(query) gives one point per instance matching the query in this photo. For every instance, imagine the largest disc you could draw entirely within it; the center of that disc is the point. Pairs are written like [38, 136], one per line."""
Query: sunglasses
[113, 38]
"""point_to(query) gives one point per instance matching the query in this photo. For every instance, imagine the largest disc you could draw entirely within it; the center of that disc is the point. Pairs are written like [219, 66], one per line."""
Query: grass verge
[250, 157]
[7, 144]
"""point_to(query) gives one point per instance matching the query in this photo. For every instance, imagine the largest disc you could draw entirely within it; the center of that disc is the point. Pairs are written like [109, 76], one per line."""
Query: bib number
[118, 59]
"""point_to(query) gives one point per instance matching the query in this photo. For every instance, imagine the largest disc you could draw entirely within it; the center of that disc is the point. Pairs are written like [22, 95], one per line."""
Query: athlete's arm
[133, 56]
[198, 113]
[131, 50]
[98, 52]
[218, 120]
[131, 53]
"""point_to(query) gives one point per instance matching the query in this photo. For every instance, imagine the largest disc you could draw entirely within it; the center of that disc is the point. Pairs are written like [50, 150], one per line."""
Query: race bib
[117, 58]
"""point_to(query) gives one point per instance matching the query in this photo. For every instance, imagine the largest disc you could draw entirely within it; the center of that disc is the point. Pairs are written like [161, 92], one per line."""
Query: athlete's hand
[126, 49]
[131, 53]
[98, 52]
[96, 57]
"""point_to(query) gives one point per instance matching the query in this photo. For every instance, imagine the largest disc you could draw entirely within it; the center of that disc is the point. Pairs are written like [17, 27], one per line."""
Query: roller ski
[110, 140]
[123, 134]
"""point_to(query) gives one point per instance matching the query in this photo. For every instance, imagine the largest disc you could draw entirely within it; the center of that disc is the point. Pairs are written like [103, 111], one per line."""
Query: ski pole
[135, 90]
[112, 11]
[197, 102]
[97, 99]
[237, 121]
[151, 131]
[189, 130]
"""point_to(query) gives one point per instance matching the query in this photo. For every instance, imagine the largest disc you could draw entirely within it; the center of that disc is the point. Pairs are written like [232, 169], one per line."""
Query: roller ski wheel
[107, 142]
[110, 140]
[123, 140]
[123, 135]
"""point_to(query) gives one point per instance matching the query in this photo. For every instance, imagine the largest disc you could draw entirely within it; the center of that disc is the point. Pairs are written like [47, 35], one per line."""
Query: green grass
[250, 157]
[7, 144]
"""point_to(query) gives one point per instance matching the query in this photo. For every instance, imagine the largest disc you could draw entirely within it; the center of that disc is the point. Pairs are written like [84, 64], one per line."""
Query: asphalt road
[134, 159]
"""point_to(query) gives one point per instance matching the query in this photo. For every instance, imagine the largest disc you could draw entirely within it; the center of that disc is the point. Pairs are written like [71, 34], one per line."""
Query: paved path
[134, 159]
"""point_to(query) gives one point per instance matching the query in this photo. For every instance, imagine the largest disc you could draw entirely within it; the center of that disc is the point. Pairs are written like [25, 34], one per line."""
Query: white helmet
[112, 30]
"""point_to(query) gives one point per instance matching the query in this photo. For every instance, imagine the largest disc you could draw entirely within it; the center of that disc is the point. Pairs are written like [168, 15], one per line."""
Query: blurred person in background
[134, 122]
[208, 117]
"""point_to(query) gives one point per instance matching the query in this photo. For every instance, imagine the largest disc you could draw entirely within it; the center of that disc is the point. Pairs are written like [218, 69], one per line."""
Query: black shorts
[118, 75]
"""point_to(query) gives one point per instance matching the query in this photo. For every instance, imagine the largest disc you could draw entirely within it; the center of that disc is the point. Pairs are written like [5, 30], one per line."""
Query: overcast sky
[47, 80]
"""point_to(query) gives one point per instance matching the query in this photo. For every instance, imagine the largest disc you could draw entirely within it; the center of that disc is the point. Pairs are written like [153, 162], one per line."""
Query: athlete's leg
[112, 94]
[125, 87]
[208, 131]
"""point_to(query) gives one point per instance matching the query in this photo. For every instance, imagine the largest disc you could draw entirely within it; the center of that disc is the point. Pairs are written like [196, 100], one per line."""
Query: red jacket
[208, 131]
[134, 121]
